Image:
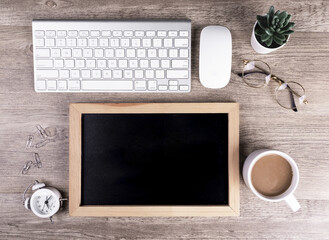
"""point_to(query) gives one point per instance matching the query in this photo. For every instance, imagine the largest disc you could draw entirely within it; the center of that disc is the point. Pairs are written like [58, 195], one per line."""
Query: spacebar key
[107, 85]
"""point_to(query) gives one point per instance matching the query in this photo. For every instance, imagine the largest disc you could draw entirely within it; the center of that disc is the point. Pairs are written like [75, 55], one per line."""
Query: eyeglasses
[257, 74]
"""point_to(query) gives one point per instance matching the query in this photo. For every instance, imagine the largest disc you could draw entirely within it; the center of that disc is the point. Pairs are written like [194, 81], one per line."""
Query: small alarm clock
[45, 201]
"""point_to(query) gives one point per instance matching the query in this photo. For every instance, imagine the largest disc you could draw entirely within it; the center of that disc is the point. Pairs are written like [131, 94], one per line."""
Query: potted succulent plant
[271, 31]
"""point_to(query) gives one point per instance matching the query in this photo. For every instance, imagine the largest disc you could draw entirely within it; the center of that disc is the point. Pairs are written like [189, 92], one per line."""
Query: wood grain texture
[263, 124]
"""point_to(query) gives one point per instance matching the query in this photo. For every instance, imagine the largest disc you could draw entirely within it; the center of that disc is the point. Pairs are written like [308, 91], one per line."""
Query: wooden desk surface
[303, 135]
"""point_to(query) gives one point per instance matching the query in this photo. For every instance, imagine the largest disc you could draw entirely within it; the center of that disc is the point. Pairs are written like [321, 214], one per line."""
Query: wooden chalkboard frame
[76, 111]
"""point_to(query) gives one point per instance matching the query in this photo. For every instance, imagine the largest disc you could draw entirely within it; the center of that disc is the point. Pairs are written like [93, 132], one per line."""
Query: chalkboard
[154, 159]
[157, 159]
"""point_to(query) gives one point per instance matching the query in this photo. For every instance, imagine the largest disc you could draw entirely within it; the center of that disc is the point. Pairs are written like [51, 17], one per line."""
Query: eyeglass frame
[277, 80]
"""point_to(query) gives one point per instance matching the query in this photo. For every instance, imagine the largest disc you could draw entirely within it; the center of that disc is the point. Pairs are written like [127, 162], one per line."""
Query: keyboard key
[167, 42]
[133, 63]
[131, 53]
[75, 74]
[72, 33]
[163, 53]
[69, 63]
[173, 53]
[65, 74]
[92, 42]
[144, 63]
[85, 74]
[172, 34]
[103, 42]
[117, 73]
[44, 63]
[183, 53]
[157, 42]
[41, 85]
[39, 42]
[152, 85]
[82, 42]
[87, 53]
[41, 52]
[177, 74]
[61, 33]
[66, 53]
[107, 85]
[62, 85]
[94, 33]
[90, 63]
[55, 52]
[71, 42]
[80, 63]
[109, 53]
[151, 53]
[123, 63]
[60, 42]
[77, 52]
[179, 63]
[173, 88]
[114, 42]
[163, 87]
[106, 74]
[165, 64]
[96, 74]
[139, 33]
[52, 85]
[112, 63]
[124, 42]
[149, 74]
[162, 33]
[117, 33]
[159, 74]
[140, 85]
[50, 42]
[155, 63]
[150, 33]
[39, 34]
[135, 42]
[128, 33]
[183, 33]
[99, 53]
[172, 82]
[181, 42]
[83, 33]
[106, 33]
[58, 63]
[47, 74]
[183, 88]
[51, 34]
[128, 74]
[74, 85]
[120, 53]
[139, 74]
[101, 63]
[146, 42]
[141, 53]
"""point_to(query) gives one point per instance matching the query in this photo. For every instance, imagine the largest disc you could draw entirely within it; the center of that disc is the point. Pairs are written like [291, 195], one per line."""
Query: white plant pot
[260, 48]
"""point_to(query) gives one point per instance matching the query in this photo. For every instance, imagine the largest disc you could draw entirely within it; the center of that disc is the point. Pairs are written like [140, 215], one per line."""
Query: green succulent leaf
[265, 37]
[259, 31]
[286, 21]
[277, 13]
[268, 31]
[270, 15]
[288, 32]
[279, 36]
[283, 15]
[278, 40]
[262, 22]
[269, 41]
[289, 26]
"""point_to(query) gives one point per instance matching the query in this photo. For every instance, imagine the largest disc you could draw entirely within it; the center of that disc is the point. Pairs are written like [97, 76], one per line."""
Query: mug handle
[292, 202]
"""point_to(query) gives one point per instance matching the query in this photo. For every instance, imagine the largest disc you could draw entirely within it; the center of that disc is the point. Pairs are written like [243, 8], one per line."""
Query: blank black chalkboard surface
[172, 159]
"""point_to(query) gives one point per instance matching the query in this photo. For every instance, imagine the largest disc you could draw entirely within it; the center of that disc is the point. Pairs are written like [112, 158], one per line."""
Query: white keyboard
[117, 56]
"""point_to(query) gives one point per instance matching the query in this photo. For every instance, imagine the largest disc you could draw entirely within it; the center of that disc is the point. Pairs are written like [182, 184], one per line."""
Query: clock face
[44, 203]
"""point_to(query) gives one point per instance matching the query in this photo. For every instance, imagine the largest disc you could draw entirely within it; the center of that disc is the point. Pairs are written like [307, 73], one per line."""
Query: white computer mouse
[215, 56]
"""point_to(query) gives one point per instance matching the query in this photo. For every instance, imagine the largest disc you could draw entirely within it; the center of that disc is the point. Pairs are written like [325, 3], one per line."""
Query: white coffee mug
[288, 194]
